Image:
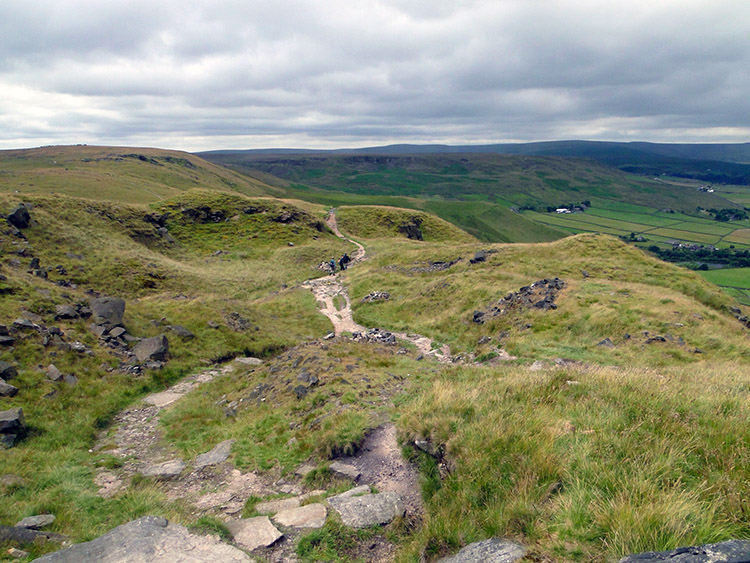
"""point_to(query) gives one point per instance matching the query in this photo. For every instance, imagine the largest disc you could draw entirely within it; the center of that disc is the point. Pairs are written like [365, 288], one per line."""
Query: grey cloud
[239, 74]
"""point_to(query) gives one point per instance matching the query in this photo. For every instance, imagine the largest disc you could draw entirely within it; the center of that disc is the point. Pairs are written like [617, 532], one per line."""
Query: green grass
[584, 464]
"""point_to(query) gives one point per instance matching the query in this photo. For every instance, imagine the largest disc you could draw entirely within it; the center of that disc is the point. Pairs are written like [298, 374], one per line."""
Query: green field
[735, 281]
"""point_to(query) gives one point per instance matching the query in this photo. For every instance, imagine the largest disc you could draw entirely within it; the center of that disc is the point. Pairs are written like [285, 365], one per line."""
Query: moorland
[609, 419]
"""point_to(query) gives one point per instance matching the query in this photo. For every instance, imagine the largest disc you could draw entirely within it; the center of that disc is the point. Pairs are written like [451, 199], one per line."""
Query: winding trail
[327, 288]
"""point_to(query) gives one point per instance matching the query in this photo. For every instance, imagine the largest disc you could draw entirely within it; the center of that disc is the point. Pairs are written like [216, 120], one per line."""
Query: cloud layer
[238, 74]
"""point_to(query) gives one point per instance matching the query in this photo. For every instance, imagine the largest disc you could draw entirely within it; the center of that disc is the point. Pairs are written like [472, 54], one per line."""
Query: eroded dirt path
[330, 292]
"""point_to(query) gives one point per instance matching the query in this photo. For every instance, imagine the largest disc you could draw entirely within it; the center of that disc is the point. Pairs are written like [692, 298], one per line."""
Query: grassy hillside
[611, 423]
[126, 174]
[510, 179]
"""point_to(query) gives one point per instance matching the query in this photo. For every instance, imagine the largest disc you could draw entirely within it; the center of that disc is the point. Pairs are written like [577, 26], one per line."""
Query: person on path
[332, 264]
[343, 261]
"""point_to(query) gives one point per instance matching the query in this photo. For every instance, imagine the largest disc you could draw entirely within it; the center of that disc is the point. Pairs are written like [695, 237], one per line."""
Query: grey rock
[98, 330]
[488, 551]
[36, 522]
[167, 470]
[344, 470]
[155, 348]
[181, 331]
[607, 343]
[7, 390]
[217, 455]
[12, 426]
[7, 340]
[66, 312]
[26, 536]
[732, 551]
[25, 324]
[70, 379]
[54, 374]
[148, 540]
[107, 310]
[252, 533]
[7, 371]
[300, 391]
[368, 510]
[355, 492]
[19, 217]
[164, 233]
[117, 332]
[308, 516]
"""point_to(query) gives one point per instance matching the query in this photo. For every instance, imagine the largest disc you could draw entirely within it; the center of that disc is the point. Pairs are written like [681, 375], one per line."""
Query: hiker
[332, 265]
[343, 261]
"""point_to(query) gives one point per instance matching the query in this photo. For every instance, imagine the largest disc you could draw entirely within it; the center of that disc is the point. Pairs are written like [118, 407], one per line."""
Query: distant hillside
[727, 163]
[126, 174]
[512, 180]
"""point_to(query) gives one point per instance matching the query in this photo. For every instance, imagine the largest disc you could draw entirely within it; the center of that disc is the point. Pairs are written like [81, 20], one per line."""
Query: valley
[485, 371]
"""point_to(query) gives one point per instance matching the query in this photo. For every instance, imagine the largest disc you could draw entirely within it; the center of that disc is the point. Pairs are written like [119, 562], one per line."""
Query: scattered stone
[479, 256]
[376, 296]
[25, 536]
[301, 391]
[584, 273]
[217, 455]
[252, 533]
[70, 379]
[7, 371]
[66, 312]
[148, 540]
[369, 509]
[541, 294]
[344, 470]
[304, 469]
[167, 470]
[606, 343]
[19, 217]
[117, 332]
[330, 336]
[12, 427]
[375, 335]
[656, 338]
[98, 330]
[36, 522]
[7, 390]
[732, 551]
[181, 331]
[107, 310]
[488, 551]
[308, 516]
[7, 340]
[155, 348]
[54, 374]
[428, 447]
[237, 322]
[25, 324]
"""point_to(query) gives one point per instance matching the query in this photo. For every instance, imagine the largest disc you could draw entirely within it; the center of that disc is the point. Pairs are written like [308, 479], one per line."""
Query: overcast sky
[329, 73]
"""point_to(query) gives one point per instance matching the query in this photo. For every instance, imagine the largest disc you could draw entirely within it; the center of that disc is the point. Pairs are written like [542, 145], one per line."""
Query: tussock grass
[589, 463]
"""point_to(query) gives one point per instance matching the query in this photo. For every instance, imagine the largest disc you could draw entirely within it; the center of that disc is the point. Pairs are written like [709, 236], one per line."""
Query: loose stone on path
[217, 455]
[367, 510]
[493, 550]
[167, 470]
[252, 533]
[308, 516]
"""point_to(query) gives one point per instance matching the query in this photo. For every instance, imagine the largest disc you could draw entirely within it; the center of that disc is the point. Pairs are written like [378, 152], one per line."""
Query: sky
[216, 74]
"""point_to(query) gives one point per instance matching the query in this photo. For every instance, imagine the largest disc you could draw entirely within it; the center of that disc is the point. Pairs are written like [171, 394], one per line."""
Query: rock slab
[493, 550]
[252, 533]
[148, 540]
[167, 470]
[12, 427]
[36, 522]
[308, 516]
[344, 470]
[369, 509]
[732, 551]
[217, 455]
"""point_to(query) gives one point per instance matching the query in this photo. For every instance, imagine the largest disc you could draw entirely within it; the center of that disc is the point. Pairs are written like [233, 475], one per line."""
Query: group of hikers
[343, 262]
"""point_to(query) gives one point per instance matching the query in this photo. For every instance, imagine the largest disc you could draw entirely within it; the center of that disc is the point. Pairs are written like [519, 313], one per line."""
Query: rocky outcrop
[541, 294]
[733, 551]
[12, 427]
[375, 335]
[7, 371]
[412, 228]
[19, 217]
[376, 296]
[148, 540]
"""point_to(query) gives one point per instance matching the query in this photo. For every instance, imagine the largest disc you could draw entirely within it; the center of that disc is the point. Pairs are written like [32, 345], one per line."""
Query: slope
[126, 174]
